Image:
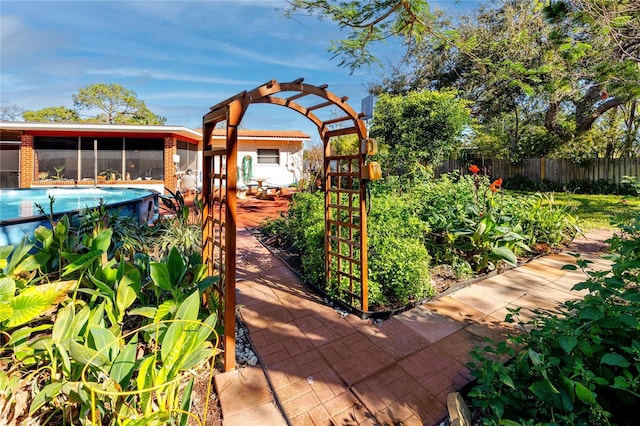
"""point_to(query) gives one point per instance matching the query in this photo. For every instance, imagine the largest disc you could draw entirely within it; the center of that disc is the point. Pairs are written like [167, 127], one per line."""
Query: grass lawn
[597, 211]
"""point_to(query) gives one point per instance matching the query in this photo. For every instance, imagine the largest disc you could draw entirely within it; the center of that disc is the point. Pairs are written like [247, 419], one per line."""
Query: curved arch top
[351, 122]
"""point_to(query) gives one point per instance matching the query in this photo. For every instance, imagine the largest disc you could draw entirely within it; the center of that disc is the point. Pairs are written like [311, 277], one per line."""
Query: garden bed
[425, 237]
[443, 279]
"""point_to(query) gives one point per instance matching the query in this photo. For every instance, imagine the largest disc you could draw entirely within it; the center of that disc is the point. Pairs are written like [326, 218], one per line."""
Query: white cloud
[166, 76]
[302, 61]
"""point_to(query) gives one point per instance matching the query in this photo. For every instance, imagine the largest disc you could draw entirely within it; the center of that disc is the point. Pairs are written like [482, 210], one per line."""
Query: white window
[268, 156]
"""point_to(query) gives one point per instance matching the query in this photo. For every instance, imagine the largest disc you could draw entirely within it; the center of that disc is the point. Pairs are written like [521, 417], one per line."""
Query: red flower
[474, 169]
[496, 185]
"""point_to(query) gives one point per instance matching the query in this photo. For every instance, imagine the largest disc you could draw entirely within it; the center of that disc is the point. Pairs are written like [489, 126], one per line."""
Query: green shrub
[471, 229]
[182, 229]
[542, 220]
[580, 367]
[398, 258]
[631, 182]
[467, 222]
[129, 236]
[301, 230]
[577, 186]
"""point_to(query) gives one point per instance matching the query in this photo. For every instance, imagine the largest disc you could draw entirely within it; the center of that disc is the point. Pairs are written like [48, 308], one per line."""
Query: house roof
[264, 134]
[182, 131]
[96, 128]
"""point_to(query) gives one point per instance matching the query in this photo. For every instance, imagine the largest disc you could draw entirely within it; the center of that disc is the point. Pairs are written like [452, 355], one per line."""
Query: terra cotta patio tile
[242, 389]
[300, 404]
[427, 362]
[542, 269]
[320, 416]
[454, 309]
[429, 324]
[266, 414]
[397, 339]
[459, 345]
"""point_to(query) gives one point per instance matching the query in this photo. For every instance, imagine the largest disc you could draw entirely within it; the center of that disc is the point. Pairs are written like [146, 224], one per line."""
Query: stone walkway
[324, 368]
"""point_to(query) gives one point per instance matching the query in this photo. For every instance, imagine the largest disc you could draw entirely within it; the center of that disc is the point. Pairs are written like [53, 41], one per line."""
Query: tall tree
[496, 60]
[117, 105]
[418, 128]
[534, 66]
[529, 67]
[603, 75]
[618, 20]
[60, 114]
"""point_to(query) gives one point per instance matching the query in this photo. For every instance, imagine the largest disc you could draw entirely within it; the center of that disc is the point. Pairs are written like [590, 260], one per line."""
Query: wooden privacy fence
[555, 170]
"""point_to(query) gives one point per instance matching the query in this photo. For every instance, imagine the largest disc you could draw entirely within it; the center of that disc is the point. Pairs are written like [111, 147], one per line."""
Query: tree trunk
[585, 119]
[551, 118]
[515, 137]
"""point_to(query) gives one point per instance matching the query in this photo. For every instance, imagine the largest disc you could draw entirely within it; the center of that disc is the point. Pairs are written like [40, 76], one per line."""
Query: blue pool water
[20, 216]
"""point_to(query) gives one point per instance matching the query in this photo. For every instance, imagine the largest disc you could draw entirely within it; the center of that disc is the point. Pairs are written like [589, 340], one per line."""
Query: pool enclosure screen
[98, 158]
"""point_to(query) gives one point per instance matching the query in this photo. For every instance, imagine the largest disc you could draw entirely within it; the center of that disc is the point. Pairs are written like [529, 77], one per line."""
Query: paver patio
[324, 368]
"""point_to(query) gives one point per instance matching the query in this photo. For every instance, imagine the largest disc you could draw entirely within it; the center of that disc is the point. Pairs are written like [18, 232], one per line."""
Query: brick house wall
[28, 165]
[170, 177]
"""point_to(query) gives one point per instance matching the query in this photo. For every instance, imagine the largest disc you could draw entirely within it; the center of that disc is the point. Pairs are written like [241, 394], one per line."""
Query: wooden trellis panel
[214, 218]
[345, 229]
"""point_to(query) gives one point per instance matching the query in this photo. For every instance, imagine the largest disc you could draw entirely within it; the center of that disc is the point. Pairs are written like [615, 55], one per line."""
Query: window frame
[274, 155]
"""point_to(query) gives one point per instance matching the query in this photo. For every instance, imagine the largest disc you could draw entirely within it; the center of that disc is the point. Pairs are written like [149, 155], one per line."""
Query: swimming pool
[19, 215]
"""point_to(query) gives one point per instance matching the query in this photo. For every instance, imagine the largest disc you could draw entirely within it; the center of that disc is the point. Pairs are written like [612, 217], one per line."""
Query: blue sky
[180, 57]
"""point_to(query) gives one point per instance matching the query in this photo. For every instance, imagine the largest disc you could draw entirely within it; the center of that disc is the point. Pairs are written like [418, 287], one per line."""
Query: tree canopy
[59, 114]
[10, 112]
[617, 20]
[117, 105]
[543, 76]
[368, 22]
[111, 103]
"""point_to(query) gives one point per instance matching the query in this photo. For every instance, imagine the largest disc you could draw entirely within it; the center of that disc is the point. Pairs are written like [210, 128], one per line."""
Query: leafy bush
[631, 182]
[418, 128]
[182, 229]
[467, 222]
[542, 220]
[471, 227]
[475, 224]
[577, 186]
[128, 235]
[92, 337]
[580, 367]
[301, 229]
[398, 258]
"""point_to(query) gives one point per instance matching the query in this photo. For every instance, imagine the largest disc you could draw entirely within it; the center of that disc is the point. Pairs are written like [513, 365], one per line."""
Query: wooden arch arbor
[345, 244]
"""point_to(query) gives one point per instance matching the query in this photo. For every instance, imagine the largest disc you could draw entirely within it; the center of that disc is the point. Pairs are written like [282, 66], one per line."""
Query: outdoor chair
[188, 184]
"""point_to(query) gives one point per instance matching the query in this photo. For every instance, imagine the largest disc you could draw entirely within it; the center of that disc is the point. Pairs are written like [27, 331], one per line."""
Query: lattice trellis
[345, 250]
[214, 221]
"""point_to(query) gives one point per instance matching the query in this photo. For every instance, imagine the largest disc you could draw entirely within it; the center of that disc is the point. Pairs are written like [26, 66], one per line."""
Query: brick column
[170, 149]
[27, 161]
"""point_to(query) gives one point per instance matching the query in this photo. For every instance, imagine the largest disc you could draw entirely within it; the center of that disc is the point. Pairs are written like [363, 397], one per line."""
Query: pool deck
[321, 367]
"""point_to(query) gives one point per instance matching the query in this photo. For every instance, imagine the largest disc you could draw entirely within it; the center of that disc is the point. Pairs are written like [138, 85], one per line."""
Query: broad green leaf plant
[90, 336]
[487, 235]
[578, 367]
